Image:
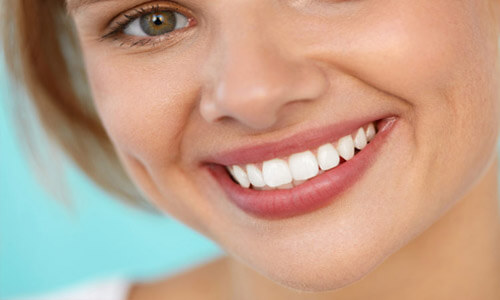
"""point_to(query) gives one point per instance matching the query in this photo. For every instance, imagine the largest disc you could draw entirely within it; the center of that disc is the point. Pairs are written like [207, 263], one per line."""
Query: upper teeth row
[281, 173]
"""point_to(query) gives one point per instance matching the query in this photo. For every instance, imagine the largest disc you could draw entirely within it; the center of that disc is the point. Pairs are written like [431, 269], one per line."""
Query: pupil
[158, 20]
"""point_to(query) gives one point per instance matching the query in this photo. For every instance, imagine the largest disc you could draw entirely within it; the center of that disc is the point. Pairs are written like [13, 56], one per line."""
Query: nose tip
[253, 102]
[254, 88]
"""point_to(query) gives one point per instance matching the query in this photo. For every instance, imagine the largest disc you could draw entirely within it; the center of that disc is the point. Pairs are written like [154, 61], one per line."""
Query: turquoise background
[44, 245]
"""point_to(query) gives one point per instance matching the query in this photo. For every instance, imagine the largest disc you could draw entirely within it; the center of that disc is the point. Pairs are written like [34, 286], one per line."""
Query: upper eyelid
[171, 5]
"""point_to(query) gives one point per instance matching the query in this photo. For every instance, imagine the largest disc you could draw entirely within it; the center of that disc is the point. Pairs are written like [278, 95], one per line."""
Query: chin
[328, 265]
[323, 275]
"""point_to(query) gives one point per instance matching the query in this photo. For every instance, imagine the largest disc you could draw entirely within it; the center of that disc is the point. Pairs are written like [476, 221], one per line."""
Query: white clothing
[114, 289]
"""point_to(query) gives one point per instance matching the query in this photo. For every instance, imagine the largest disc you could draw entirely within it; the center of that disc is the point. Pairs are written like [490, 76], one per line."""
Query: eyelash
[116, 31]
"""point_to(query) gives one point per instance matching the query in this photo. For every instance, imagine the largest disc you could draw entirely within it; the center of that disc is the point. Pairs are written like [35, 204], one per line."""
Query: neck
[457, 257]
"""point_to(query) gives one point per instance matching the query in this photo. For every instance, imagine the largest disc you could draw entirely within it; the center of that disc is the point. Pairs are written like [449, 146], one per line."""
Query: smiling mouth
[301, 173]
[296, 169]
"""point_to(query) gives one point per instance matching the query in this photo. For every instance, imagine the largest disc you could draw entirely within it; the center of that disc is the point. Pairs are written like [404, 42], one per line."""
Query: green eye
[156, 23]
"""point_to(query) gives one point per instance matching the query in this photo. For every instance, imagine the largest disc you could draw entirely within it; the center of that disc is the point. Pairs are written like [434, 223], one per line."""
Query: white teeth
[276, 172]
[328, 157]
[360, 139]
[230, 169]
[255, 176]
[346, 147]
[370, 132]
[298, 182]
[285, 186]
[264, 188]
[298, 168]
[241, 176]
[303, 165]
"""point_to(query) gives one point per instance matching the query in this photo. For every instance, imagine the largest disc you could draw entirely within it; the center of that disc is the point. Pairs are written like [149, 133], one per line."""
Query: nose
[251, 78]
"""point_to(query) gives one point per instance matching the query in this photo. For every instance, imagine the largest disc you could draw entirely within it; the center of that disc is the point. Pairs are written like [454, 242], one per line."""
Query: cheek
[143, 102]
[417, 50]
[438, 57]
[445, 68]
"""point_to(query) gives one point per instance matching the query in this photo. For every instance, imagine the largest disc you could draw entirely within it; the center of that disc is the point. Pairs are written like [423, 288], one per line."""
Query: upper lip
[302, 141]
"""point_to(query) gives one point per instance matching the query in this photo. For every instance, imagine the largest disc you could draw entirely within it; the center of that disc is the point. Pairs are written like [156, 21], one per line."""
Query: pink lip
[311, 195]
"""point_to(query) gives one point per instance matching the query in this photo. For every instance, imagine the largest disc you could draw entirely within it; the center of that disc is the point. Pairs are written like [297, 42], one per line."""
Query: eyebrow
[73, 5]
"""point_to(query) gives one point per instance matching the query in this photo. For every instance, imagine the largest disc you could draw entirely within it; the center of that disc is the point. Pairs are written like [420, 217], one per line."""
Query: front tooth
[276, 172]
[360, 139]
[241, 176]
[255, 176]
[328, 157]
[264, 188]
[346, 147]
[303, 165]
[370, 132]
[298, 182]
[285, 186]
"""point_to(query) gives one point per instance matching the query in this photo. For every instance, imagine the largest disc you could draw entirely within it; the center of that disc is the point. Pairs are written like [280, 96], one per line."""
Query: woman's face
[195, 86]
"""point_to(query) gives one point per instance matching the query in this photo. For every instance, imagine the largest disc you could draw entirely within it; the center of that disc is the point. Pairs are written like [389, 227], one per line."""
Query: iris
[158, 23]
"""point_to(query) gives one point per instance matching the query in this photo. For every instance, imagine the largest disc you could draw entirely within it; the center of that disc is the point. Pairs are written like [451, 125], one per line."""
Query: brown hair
[42, 55]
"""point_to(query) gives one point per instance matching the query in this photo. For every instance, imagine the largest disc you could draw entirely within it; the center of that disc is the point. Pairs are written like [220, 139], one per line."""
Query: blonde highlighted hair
[42, 56]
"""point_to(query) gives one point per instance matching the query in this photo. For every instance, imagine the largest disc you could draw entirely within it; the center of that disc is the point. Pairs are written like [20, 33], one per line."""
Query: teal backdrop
[45, 246]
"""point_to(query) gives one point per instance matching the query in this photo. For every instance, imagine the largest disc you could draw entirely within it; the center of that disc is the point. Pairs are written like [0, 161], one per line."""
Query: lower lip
[312, 194]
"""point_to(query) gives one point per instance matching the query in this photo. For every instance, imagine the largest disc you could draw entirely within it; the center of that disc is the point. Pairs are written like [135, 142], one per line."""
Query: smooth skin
[422, 223]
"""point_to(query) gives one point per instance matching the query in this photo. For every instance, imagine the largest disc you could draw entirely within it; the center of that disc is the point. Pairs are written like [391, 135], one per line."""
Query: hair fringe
[43, 57]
